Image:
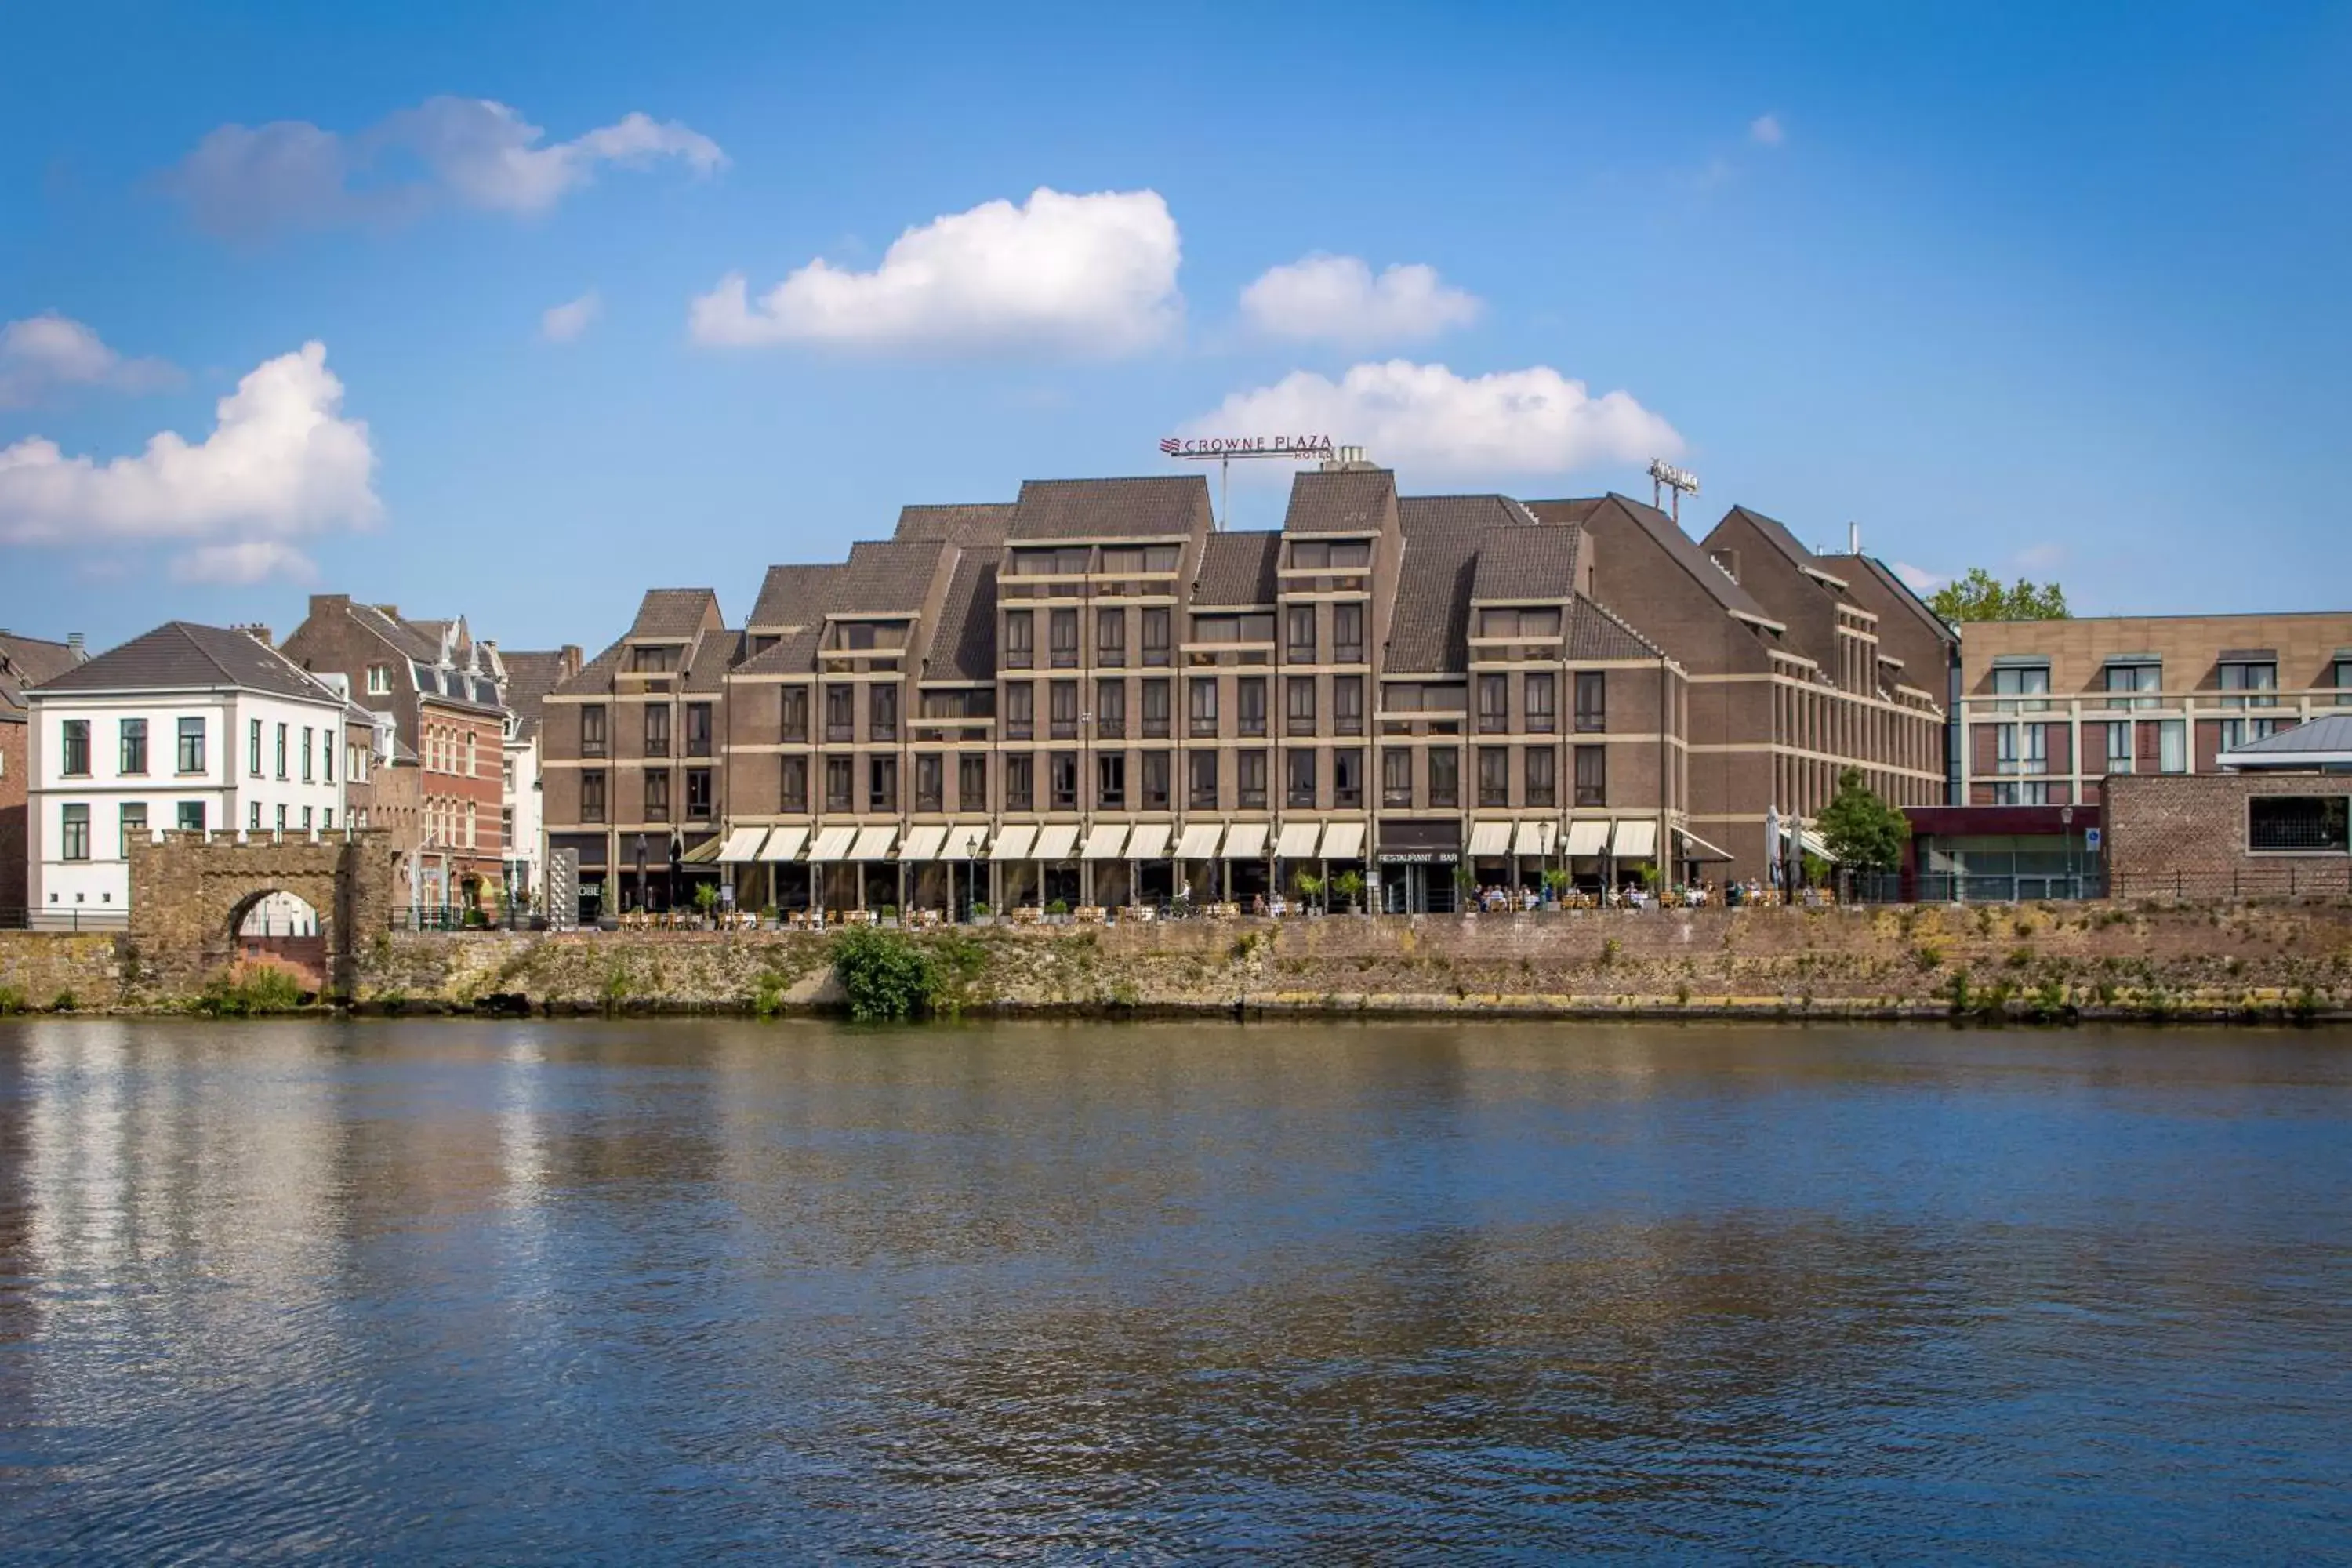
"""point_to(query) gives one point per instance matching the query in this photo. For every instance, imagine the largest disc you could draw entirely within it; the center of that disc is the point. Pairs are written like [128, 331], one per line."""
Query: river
[541, 1292]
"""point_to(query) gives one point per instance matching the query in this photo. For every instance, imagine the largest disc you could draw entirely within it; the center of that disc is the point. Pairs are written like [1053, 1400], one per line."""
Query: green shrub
[1610, 950]
[1058, 907]
[251, 990]
[12, 1000]
[887, 977]
[768, 997]
[1349, 885]
[63, 1002]
[1928, 957]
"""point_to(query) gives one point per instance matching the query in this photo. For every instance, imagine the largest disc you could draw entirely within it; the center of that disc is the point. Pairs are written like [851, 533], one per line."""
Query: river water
[1449, 1293]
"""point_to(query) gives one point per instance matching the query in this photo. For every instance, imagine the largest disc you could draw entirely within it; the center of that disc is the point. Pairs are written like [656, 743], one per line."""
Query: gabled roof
[1521, 563]
[1344, 500]
[1236, 569]
[402, 636]
[181, 656]
[1598, 632]
[27, 661]
[972, 524]
[713, 656]
[885, 578]
[793, 596]
[1672, 541]
[1153, 507]
[1902, 593]
[963, 648]
[2325, 741]
[1776, 533]
[671, 615]
[532, 674]
[1428, 626]
[595, 676]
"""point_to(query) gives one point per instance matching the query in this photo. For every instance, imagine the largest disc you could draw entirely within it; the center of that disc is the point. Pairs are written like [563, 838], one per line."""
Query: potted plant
[1309, 887]
[706, 899]
[1059, 909]
[889, 914]
[1556, 884]
[1349, 885]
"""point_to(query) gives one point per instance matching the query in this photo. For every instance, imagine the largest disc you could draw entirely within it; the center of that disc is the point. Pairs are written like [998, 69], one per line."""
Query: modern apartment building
[2048, 709]
[1090, 694]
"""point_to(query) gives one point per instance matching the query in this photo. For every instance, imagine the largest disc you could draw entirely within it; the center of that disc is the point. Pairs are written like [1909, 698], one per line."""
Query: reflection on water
[561, 1293]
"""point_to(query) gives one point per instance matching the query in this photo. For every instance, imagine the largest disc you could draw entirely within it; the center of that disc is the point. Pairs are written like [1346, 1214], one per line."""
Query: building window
[1062, 777]
[134, 751]
[74, 750]
[253, 817]
[2249, 676]
[1494, 704]
[1298, 705]
[1298, 790]
[698, 795]
[1348, 704]
[592, 730]
[1155, 710]
[2172, 746]
[697, 730]
[134, 823]
[1249, 699]
[1348, 777]
[1020, 784]
[792, 789]
[2119, 747]
[1542, 789]
[2236, 733]
[972, 782]
[2016, 684]
[1591, 701]
[2016, 793]
[1155, 636]
[1592, 776]
[1062, 711]
[2341, 679]
[2298, 823]
[309, 762]
[1155, 781]
[1445, 779]
[930, 782]
[326, 758]
[658, 730]
[1300, 624]
[2126, 678]
[1110, 780]
[1110, 710]
[591, 794]
[1062, 632]
[1347, 634]
[1020, 711]
[192, 816]
[281, 752]
[473, 758]
[1202, 708]
[1203, 766]
[657, 795]
[840, 782]
[192, 744]
[1249, 779]
[469, 822]
[281, 822]
[1494, 776]
[881, 783]
[2023, 748]
[253, 747]
[882, 713]
[792, 713]
[1020, 639]
[840, 713]
[1396, 776]
[653, 660]
[1110, 638]
[74, 842]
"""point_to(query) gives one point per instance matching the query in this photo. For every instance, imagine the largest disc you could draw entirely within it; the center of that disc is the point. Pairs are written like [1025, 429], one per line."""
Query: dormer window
[653, 660]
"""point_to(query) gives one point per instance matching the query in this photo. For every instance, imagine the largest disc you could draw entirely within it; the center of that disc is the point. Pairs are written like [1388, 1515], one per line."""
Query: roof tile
[1237, 569]
[1153, 507]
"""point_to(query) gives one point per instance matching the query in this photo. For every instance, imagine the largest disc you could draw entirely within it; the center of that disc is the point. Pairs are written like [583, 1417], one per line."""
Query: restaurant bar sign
[1302, 448]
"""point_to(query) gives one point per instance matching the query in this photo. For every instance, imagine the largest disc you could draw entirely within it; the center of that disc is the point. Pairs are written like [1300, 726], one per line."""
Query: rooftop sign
[1298, 447]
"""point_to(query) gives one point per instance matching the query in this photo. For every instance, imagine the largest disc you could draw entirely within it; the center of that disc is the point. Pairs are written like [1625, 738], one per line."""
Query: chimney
[258, 633]
[569, 662]
[329, 604]
[389, 612]
[1854, 539]
[74, 645]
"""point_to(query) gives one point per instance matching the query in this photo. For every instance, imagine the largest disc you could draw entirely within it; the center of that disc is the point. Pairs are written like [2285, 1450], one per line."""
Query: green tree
[1862, 830]
[1981, 596]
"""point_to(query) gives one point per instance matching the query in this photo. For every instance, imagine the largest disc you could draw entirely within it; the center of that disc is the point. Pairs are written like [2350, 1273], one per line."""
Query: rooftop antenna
[1664, 476]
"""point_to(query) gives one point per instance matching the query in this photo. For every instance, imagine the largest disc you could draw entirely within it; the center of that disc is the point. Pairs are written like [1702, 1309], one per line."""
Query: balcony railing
[1393, 797]
[1155, 729]
[1204, 729]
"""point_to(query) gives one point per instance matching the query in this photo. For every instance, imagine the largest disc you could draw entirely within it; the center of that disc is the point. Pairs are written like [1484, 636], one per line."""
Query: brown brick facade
[2186, 835]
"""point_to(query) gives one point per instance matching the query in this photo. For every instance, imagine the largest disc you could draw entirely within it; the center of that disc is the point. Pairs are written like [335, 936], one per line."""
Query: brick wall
[15, 768]
[45, 965]
[2186, 833]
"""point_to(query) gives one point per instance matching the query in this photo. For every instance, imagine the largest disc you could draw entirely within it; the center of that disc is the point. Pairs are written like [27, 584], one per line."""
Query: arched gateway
[193, 897]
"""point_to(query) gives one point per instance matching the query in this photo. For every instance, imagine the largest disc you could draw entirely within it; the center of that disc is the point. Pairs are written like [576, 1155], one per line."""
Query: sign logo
[1301, 446]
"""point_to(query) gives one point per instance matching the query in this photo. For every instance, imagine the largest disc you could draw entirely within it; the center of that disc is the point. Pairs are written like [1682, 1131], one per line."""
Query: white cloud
[1087, 275]
[1918, 579]
[1533, 421]
[248, 181]
[251, 562]
[1337, 298]
[280, 463]
[562, 323]
[45, 353]
[1765, 131]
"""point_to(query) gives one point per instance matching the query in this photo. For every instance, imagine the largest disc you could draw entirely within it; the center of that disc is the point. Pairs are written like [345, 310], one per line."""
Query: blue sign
[2090, 839]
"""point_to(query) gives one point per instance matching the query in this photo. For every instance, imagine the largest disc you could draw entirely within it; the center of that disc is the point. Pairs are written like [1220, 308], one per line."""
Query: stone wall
[2184, 835]
[44, 967]
[188, 891]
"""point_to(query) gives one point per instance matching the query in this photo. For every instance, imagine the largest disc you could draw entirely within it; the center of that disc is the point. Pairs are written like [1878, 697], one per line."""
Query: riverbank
[2050, 963]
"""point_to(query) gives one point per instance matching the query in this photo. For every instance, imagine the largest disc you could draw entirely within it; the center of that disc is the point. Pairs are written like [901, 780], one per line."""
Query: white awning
[1816, 846]
[965, 841]
[873, 844]
[1148, 842]
[1637, 840]
[1535, 838]
[832, 844]
[1589, 836]
[1298, 840]
[1698, 848]
[1012, 843]
[1200, 841]
[1103, 843]
[742, 845]
[1245, 841]
[922, 843]
[1490, 838]
[783, 844]
[1055, 841]
[1343, 841]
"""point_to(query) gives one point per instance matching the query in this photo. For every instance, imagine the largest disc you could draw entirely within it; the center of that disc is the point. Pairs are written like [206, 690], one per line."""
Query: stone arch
[190, 891]
[286, 928]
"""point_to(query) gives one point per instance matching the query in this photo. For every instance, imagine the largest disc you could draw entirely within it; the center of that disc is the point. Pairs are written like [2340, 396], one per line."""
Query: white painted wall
[521, 796]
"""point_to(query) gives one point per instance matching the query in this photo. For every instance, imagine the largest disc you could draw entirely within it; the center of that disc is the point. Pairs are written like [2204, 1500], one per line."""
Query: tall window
[1110, 637]
[881, 783]
[1542, 788]
[192, 815]
[281, 752]
[1155, 636]
[2125, 678]
[2172, 746]
[1064, 632]
[1249, 699]
[74, 842]
[473, 760]
[1348, 704]
[1110, 780]
[1298, 704]
[191, 746]
[2019, 686]
[1299, 789]
[697, 730]
[658, 795]
[1348, 777]
[930, 782]
[2249, 676]
[309, 760]
[1110, 710]
[134, 823]
[840, 784]
[791, 792]
[1020, 711]
[882, 713]
[1155, 781]
[698, 795]
[1202, 705]
[2119, 747]
[658, 730]
[971, 782]
[1249, 779]
[326, 758]
[1494, 776]
[253, 746]
[1444, 778]
[1062, 774]
[1494, 704]
[1347, 634]
[1063, 715]
[591, 794]
[1396, 776]
[1592, 776]
[2024, 748]
[1300, 624]
[1541, 697]
[73, 750]
[840, 713]
[2340, 677]
[592, 730]
[1203, 769]
[792, 713]
[1021, 782]
[133, 754]
[1155, 710]
[1020, 639]
[1591, 701]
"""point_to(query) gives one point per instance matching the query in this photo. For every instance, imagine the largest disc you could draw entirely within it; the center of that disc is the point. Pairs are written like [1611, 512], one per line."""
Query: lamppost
[641, 873]
[971, 874]
[2066, 820]
[676, 856]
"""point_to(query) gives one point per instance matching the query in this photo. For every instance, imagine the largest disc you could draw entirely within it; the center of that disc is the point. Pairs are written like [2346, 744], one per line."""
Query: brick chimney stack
[569, 661]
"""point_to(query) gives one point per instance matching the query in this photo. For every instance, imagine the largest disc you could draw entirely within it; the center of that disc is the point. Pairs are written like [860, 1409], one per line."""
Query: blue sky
[2057, 290]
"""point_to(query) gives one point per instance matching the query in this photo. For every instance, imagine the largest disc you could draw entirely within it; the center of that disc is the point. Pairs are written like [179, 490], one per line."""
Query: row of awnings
[1051, 841]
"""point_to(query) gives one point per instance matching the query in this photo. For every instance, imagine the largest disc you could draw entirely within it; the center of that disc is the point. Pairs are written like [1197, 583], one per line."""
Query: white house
[190, 728]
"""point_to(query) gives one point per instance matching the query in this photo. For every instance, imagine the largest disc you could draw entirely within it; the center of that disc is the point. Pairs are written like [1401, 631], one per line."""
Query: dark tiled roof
[1521, 563]
[1896, 589]
[181, 654]
[1467, 512]
[963, 648]
[28, 661]
[532, 674]
[793, 596]
[402, 636]
[672, 615]
[713, 656]
[1351, 500]
[1161, 506]
[1595, 631]
[885, 578]
[974, 524]
[1237, 569]
[1428, 626]
[595, 676]
[793, 653]
[1678, 546]
[1776, 533]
